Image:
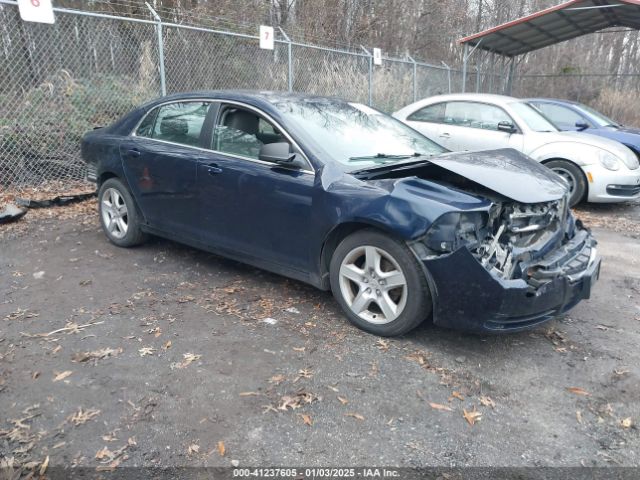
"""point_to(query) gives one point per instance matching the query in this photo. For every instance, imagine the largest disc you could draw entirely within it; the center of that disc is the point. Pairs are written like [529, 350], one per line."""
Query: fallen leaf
[626, 423]
[61, 375]
[578, 391]
[43, 467]
[298, 349]
[35, 375]
[167, 345]
[221, 448]
[304, 373]
[144, 351]
[332, 388]
[188, 359]
[277, 379]
[249, 394]
[343, 400]
[383, 345]
[306, 419]
[579, 416]
[457, 395]
[620, 372]
[471, 416]
[357, 416]
[83, 416]
[57, 349]
[193, 448]
[487, 401]
[438, 406]
[104, 453]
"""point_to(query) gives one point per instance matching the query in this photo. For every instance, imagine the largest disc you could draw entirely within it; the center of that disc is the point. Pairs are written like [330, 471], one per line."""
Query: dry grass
[620, 105]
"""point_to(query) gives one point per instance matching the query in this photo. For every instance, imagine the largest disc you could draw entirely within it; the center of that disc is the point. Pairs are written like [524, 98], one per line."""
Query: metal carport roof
[556, 24]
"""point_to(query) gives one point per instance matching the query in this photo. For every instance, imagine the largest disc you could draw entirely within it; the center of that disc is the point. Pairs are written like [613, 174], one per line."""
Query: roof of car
[552, 100]
[478, 97]
[239, 95]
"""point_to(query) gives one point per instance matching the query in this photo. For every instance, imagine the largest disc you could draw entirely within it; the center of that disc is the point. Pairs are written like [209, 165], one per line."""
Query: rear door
[160, 163]
[474, 126]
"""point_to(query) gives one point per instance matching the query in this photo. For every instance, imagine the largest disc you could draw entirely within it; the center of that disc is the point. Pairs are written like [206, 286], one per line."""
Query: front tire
[119, 215]
[574, 176]
[378, 283]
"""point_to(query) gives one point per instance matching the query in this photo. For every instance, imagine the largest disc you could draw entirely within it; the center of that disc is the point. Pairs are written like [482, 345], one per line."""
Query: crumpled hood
[507, 172]
[612, 146]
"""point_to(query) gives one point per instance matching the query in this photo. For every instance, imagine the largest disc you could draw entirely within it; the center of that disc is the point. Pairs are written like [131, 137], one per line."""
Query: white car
[597, 169]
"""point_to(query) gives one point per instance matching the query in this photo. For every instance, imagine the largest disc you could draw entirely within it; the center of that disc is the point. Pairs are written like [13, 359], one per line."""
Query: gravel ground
[166, 356]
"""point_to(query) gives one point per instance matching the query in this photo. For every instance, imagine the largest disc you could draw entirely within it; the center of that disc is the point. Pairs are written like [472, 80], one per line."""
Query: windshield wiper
[383, 157]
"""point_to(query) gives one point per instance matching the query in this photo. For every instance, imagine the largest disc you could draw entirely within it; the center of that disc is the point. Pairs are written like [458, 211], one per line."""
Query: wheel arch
[335, 236]
[584, 176]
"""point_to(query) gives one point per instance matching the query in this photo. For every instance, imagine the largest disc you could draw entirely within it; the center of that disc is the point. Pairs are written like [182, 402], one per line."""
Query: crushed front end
[508, 268]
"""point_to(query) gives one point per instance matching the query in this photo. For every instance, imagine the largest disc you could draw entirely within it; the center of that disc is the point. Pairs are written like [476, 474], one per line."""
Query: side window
[431, 113]
[242, 132]
[145, 129]
[475, 115]
[180, 122]
[561, 116]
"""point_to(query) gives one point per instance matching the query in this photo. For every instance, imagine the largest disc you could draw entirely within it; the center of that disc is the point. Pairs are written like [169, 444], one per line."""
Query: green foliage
[52, 117]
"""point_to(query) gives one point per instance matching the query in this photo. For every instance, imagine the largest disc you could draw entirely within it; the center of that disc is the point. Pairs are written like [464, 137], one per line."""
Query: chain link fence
[59, 81]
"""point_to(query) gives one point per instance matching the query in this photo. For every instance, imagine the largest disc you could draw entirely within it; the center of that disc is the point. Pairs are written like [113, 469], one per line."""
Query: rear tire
[573, 174]
[379, 284]
[119, 214]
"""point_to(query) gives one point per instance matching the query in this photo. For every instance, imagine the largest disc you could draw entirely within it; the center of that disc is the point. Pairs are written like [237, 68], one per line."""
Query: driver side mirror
[507, 127]
[280, 153]
[581, 125]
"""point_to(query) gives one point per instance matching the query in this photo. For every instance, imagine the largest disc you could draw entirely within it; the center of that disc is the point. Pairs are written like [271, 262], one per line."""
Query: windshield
[532, 117]
[355, 135]
[598, 118]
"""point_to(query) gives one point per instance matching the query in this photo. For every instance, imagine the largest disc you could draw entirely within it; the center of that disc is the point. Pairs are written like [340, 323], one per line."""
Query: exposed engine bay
[534, 242]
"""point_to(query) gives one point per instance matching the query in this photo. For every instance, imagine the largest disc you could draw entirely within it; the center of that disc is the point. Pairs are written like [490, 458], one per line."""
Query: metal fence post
[370, 75]
[290, 56]
[465, 57]
[415, 78]
[163, 83]
[448, 74]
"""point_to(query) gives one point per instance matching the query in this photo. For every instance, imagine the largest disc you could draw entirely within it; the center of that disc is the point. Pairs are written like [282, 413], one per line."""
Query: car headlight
[609, 160]
[456, 229]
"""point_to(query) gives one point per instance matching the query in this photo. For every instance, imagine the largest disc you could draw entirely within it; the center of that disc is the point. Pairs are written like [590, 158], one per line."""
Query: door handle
[213, 169]
[133, 152]
[445, 135]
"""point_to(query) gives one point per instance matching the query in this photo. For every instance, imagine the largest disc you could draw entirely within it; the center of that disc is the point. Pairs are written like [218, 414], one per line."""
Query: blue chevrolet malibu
[344, 197]
[574, 116]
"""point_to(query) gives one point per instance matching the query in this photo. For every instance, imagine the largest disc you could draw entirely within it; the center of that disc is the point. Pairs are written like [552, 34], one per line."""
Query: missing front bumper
[468, 297]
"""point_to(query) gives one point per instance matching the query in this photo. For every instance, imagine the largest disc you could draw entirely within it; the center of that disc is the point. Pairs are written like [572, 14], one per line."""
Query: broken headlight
[457, 229]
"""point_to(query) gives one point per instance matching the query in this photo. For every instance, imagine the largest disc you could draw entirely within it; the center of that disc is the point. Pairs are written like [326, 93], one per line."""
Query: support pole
[163, 83]
[415, 78]
[290, 56]
[448, 74]
[465, 57]
[370, 75]
[512, 71]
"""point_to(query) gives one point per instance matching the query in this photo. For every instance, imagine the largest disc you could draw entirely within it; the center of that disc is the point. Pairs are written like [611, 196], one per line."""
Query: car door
[428, 121]
[474, 126]
[160, 163]
[258, 209]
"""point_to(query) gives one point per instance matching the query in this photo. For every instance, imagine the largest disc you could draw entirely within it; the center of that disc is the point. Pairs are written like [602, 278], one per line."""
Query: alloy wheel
[568, 176]
[373, 284]
[114, 213]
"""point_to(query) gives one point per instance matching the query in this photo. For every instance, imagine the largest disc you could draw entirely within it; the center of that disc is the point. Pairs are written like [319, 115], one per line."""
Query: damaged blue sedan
[346, 198]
